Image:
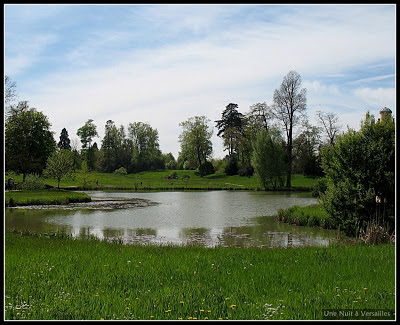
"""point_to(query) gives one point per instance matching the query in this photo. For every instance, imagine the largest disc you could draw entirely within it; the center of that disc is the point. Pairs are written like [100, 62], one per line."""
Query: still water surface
[240, 218]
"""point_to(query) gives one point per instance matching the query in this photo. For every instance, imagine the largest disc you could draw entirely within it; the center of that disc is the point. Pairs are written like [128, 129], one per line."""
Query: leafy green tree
[195, 141]
[360, 168]
[305, 151]
[28, 140]
[109, 146]
[87, 132]
[146, 153]
[84, 174]
[64, 142]
[290, 102]
[268, 158]
[60, 165]
[169, 160]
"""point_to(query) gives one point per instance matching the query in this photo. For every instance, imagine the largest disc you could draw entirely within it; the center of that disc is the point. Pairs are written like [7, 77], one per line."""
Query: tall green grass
[59, 278]
[32, 197]
[311, 215]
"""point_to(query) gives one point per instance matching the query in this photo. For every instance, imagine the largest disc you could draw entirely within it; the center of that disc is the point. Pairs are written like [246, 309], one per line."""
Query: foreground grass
[61, 278]
[156, 180]
[49, 196]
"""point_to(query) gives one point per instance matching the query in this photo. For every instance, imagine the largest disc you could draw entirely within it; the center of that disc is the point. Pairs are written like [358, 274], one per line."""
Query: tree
[28, 140]
[108, 146]
[64, 142]
[259, 117]
[230, 128]
[289, 102]
[268, 158]
[10, 93]
[169, 160]
[146, 153]
[60, 165]
[305, 151]
[329, 124]
[360, 168]
[87, 132]
[195, 141]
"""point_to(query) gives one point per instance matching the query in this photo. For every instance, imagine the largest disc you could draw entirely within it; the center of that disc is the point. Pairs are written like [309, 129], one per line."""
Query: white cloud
[240, 61]
[378, 97]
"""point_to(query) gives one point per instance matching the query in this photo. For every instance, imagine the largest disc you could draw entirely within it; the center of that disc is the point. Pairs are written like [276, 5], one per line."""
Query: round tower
[385, 112]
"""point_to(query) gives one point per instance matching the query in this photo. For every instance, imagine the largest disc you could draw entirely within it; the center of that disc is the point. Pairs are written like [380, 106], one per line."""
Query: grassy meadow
[48, 277]
[157, 180]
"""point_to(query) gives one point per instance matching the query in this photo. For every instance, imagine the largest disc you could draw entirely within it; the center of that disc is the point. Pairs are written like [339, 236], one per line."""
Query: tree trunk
[289, 159]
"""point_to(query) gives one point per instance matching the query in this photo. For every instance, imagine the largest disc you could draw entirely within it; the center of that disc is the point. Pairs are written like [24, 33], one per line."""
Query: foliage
[33, 182]
[290, 102]
[51, 277]
[121, 171]
[195, 140]
[116, 148]
[28, 140]
[320, 187]
[169, 161]
[60, 165]
[206, 168]
[85, 175]
[305, 149]
[359, 168]
[87, 132]
[146, 153]
[230, 128]
[64, 142]
[268, 158]
[231, 165]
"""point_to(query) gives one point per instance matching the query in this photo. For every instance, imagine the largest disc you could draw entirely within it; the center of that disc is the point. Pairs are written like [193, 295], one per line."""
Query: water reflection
[205, 218]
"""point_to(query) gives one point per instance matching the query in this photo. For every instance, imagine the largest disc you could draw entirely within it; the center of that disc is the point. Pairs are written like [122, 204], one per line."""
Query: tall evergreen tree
[64, 142]
[230, 128]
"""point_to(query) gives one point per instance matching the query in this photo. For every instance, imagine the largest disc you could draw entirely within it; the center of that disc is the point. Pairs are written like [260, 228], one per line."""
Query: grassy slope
[53, 278]
[157, 180]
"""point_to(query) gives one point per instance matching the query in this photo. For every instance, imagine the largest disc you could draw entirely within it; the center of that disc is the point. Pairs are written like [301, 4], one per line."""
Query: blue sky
[162, 64]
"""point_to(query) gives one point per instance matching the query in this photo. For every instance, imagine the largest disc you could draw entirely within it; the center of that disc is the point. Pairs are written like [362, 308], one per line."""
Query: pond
[226, 218]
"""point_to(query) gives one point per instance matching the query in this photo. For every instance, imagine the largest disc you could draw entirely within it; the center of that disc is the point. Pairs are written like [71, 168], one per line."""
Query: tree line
[135, 147]
[357, 168]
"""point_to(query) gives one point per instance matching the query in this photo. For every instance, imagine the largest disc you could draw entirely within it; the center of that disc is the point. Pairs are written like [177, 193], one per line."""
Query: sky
[162, 64]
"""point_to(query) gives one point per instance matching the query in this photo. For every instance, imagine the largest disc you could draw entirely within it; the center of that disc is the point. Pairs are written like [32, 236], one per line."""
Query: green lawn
[49, 196]
[157, 180]
[47, 277]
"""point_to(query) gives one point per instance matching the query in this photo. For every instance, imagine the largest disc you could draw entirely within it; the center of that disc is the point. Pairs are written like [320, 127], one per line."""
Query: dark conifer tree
[64, 140]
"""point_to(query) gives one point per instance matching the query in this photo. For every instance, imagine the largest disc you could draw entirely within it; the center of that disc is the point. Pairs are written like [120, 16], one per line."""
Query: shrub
[33, 182]
[205, 169]
[319, 187]
[121, 171]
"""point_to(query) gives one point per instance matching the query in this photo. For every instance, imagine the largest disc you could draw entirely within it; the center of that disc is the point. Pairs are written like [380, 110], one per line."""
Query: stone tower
[385, 112]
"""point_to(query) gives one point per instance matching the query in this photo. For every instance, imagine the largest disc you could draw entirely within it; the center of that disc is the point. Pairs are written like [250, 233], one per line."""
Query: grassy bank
[61, 278]
[312, 215]
[49, 196]
[157, 180]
